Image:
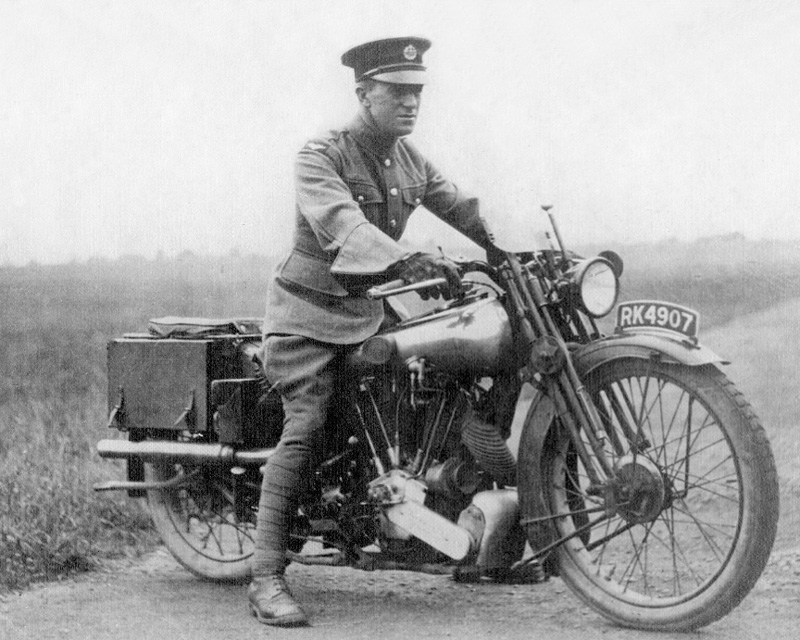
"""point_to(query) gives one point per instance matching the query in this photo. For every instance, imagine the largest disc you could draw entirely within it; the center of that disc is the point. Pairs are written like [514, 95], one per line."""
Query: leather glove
[423, 266]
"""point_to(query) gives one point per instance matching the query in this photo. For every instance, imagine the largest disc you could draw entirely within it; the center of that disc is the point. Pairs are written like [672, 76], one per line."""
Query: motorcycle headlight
[595, 286]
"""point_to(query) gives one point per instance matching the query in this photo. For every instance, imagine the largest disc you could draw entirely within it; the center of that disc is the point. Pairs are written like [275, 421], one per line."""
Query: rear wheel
[680, 533]
[198, 522]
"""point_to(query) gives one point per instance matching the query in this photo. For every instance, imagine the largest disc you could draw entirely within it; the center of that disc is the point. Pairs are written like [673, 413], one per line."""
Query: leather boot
[272, 602]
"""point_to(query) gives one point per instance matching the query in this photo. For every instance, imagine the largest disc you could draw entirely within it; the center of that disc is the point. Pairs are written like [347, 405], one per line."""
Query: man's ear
[362, 97]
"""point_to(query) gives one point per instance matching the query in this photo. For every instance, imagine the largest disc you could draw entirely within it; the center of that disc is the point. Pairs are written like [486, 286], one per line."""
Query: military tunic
[355, 192]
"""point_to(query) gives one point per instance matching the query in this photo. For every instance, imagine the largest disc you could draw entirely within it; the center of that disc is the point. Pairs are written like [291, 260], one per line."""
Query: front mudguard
[539, 421]
[645, 345]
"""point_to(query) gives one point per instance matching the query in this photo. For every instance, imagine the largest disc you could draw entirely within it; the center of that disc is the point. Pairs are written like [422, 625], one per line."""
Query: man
[355, 190]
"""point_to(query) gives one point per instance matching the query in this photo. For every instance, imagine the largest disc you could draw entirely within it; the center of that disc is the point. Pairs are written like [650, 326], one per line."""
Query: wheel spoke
[635, 559]
[704, 528]
[676, 552]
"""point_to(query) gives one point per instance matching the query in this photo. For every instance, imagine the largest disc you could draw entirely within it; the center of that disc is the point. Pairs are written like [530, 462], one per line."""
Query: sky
[170, 126]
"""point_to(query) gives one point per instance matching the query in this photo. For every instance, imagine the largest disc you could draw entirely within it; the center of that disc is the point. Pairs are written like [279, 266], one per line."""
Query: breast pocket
[369, 198]
[413, 196]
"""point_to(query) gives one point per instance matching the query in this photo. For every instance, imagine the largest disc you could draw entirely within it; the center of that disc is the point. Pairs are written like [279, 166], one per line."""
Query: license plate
[654, 314]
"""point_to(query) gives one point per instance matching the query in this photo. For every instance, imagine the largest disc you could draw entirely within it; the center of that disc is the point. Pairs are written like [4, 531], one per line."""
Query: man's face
[394, 107]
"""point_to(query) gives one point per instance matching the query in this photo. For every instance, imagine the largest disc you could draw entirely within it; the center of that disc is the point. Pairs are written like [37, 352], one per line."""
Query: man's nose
[409, 100]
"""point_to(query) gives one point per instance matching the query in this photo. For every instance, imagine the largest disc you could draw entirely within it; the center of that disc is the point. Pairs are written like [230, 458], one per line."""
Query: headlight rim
[578, 283]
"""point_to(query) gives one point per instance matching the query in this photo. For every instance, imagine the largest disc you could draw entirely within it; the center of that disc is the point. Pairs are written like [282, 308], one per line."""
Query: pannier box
[165, 383]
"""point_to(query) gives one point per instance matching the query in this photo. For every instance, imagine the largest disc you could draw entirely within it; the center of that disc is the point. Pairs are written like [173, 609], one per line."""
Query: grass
[52, 523]
[55, 322]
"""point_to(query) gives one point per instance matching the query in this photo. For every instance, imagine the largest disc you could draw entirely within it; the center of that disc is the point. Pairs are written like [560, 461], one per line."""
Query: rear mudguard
[541, 414]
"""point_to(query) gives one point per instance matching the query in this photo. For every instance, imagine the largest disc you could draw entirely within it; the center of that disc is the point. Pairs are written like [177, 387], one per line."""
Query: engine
[429, 435]
[430, 412]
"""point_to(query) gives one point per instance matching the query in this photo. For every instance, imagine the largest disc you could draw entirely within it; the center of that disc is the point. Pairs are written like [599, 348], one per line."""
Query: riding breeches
[306, 373]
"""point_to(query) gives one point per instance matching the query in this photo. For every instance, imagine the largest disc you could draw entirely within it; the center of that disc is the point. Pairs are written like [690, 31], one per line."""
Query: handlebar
[396, 287]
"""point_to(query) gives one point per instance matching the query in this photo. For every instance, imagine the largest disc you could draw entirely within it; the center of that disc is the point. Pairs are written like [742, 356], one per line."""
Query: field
[56, 320]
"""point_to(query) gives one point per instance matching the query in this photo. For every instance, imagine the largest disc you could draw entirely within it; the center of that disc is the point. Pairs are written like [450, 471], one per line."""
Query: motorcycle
[643, 478]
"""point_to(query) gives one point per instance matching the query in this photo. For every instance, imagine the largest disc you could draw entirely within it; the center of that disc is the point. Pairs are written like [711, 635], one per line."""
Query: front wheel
[680, 532]
[198, 522]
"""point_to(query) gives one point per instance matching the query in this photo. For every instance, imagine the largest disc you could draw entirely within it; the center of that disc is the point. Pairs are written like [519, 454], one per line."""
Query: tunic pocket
[365, 193]
[369, 198]
[413, 195]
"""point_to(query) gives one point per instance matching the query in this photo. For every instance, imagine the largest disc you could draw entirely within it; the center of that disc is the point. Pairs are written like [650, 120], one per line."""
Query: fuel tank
[475, 336]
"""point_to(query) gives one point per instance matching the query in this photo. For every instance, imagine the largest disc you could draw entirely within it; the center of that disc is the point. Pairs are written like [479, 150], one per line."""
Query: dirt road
[156, 599]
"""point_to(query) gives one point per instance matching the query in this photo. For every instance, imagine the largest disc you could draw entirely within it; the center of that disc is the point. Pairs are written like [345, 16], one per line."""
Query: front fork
[562, 384]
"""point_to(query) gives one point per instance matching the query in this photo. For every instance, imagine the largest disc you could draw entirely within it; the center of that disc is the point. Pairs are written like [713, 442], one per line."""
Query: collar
[366, 134]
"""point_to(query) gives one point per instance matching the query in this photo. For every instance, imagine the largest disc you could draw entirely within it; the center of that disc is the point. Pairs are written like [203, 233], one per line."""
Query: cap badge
[410, 52]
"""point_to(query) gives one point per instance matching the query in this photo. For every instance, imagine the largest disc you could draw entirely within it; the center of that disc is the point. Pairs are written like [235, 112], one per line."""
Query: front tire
[681, 533]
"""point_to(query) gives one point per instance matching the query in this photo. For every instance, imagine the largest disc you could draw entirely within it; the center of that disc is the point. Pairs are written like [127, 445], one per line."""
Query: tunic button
[387, 162]
[393, 191]
[417, 201]
[392, 223]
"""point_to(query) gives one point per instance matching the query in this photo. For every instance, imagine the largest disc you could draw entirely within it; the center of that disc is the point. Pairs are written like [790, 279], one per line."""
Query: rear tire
[681, 545]
[198, 523]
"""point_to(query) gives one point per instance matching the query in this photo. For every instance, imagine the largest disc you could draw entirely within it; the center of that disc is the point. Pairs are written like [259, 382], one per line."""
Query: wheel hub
[638, 492]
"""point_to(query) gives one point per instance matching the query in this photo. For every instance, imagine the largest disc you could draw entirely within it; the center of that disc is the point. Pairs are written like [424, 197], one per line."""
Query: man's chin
[405, 128]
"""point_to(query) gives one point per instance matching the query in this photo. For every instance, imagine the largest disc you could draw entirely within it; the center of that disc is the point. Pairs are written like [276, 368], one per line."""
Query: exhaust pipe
[183, 452]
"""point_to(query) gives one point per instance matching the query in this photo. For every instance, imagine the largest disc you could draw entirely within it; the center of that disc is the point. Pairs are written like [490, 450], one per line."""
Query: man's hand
[424, 266]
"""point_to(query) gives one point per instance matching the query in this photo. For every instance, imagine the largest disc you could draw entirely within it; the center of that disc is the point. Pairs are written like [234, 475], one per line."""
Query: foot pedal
[528, 573]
